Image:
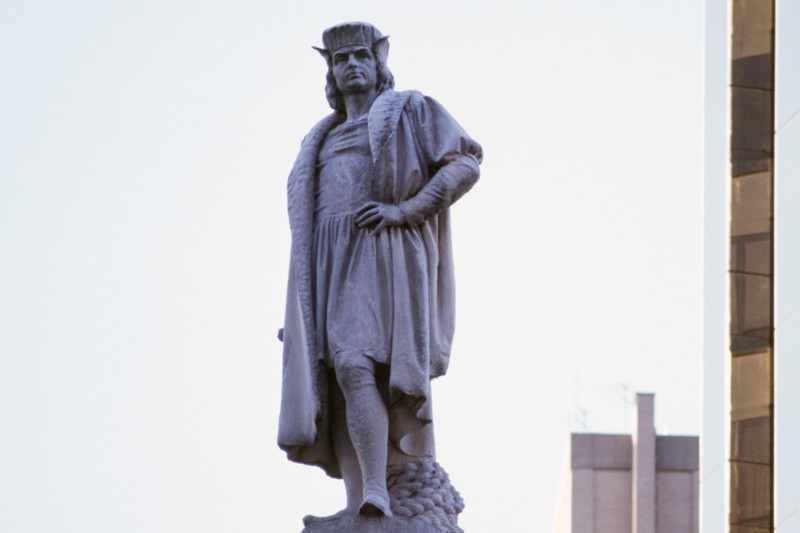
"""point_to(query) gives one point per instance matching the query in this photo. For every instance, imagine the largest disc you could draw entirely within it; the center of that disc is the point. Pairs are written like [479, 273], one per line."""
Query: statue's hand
[380, 215]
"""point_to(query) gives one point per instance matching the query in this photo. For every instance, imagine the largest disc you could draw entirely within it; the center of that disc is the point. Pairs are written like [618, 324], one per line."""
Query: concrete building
[638, 483]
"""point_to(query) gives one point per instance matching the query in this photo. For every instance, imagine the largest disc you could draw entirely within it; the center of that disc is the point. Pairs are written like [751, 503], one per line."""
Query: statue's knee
[354, 372]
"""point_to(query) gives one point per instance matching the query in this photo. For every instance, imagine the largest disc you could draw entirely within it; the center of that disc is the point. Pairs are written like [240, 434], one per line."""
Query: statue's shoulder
[323, 126]
[304, 165]
[414, 96]
[418, 103]
[391, 99]
[386, 110]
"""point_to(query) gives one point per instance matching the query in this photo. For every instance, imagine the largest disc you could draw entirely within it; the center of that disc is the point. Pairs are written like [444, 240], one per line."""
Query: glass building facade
[750, 463]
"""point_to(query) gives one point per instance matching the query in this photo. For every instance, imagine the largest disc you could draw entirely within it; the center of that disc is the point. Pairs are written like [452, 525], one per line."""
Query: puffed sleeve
[451, 155]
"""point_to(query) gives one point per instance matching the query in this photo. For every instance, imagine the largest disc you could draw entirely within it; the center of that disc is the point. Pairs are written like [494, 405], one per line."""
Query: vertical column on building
[751, 266]
[643, 469]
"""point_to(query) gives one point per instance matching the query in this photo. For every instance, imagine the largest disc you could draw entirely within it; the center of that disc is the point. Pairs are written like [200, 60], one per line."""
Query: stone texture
[354, 523]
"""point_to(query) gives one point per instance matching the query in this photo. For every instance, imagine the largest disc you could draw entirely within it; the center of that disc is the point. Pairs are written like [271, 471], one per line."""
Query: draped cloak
[423, 161]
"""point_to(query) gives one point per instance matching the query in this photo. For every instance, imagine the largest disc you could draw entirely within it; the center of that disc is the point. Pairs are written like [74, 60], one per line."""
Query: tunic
[353, 308]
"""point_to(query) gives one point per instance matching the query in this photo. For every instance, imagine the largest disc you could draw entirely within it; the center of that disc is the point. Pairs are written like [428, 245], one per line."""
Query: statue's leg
[345, 453]
[368, 427]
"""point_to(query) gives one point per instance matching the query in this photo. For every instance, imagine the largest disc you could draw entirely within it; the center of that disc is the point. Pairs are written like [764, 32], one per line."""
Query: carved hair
[385, 81]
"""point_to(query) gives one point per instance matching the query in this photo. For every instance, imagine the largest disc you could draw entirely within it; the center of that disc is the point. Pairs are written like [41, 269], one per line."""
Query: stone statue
[370, 306]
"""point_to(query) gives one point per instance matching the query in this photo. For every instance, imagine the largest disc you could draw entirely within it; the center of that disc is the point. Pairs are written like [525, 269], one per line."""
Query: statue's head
[347, 38]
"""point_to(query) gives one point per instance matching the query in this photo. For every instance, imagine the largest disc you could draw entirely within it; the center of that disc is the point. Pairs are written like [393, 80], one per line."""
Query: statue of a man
[370, 307]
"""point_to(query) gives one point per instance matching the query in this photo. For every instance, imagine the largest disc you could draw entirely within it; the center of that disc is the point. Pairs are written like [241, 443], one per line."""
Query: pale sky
[144, 248]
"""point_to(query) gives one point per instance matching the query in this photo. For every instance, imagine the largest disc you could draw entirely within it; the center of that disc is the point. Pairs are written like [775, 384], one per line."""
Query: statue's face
[354, 69]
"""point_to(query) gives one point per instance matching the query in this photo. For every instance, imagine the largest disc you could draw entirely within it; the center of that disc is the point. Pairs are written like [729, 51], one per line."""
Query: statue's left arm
[452, 158]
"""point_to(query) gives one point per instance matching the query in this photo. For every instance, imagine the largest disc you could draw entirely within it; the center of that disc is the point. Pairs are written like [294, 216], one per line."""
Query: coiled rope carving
[422, 489]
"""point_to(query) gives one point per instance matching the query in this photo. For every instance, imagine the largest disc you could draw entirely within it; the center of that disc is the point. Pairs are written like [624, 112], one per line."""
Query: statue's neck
[357, 105]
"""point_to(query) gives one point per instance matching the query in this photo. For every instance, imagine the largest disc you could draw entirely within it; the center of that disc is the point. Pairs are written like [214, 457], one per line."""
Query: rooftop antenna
[581, 418]
[580, 415]
[624, 390]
